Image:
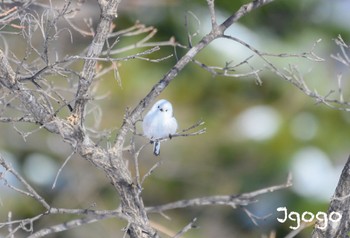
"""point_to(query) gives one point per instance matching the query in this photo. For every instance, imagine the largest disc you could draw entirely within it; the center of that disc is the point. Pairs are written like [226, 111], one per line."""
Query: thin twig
[188, 227]
[126, 58]
[10, 229]
[150, 171]
[254, 217]
[32, 192]
[61, 168]
[196, 133]
[197, 124]
[211, 6]
[223, 71]
[189, 35]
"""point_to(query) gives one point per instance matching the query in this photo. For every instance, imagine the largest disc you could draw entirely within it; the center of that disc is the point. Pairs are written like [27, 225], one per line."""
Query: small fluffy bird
[159, 123]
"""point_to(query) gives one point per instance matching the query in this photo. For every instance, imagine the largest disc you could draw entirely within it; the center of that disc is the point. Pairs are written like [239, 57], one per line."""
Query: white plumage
[159, 123]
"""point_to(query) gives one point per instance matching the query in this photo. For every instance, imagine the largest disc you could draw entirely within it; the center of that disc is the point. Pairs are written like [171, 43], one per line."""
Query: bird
[159, 123]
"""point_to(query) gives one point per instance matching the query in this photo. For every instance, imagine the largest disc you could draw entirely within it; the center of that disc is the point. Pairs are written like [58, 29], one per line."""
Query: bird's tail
[156, 148]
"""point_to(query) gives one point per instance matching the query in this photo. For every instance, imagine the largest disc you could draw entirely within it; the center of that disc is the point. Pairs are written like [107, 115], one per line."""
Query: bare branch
[196, 133]
[17, 119]
[293, 76]
[226, 71]
[187, 25]
[135, 56]
[343, 57]
[254, 217]
[109, 12]
[151, 170]
[31, 192]
[227, 200]
[242, 11]
[181, 63]
[340, 204]
[23, 224]
[10, 229]
[61, 168]
[70, 224]
[138, 29]
[197, 124]
[212, 13]
[188, 227]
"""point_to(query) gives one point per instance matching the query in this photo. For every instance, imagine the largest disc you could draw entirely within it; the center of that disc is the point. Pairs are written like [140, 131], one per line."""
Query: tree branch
[188, 227]
[340, 203]
[92, 216]
[32, 192]
[228, 200]
[108, 13]
[216, 32]
[114, 167]
[243, 10]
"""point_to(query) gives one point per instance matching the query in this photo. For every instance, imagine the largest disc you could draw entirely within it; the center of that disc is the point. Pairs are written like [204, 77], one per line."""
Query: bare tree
[28, 90]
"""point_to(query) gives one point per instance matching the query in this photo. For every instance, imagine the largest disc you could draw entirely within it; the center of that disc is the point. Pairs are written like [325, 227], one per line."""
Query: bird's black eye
[166, 110]
[158, 107]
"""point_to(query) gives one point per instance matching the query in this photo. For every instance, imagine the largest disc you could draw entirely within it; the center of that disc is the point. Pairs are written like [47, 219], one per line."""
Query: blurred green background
[256, 134]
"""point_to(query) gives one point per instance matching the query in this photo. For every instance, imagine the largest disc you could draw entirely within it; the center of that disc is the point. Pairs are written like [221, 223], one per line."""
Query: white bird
[159, 123]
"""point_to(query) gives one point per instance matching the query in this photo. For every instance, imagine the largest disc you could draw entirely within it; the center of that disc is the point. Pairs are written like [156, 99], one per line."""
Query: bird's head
[164, 106]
